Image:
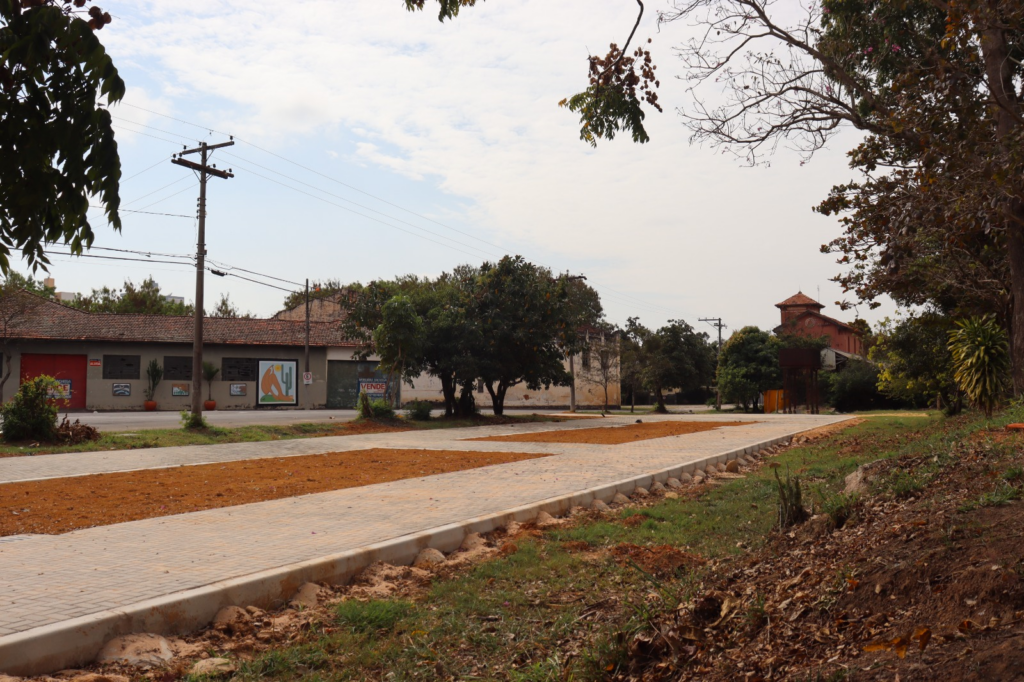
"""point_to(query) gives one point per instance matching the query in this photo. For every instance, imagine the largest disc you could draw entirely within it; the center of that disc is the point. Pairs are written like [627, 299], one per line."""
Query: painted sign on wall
[179, 390]
[61, 392]
[278, 383]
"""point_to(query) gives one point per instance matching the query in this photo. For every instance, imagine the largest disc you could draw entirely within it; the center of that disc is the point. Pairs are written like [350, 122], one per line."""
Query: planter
[150, 405]
[209, 405]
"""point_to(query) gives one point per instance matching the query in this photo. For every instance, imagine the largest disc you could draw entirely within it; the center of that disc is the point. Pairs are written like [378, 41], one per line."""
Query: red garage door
[70, 370]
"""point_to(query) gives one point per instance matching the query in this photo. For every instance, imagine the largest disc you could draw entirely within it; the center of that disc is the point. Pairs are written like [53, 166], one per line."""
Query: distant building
[801, 316]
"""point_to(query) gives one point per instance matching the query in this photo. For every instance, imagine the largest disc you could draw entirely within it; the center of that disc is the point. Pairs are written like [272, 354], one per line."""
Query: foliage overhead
[56, 141]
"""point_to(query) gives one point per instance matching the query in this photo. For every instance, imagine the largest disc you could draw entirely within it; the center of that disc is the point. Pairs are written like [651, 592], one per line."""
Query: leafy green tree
[225, 308]
[398, 340]
[748, 366]
[674, 356]
[583, 316]
[56, 141]
[15, 308]
[317, 290]
[915, 364]
[980, 360]
[145, 298]
[521, 311]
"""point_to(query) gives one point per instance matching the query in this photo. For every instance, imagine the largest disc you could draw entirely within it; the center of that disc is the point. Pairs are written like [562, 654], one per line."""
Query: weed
[1000, 497]
[372, 616]
[903, 484]
[839, 508]
[1013, 474]
[791, 507]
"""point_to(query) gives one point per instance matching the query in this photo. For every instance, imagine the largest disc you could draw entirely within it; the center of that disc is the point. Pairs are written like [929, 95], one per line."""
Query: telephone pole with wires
[717, 323]
[204, 170]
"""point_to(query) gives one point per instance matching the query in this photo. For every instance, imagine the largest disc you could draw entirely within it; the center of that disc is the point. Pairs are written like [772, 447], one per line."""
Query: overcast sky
[373, 142]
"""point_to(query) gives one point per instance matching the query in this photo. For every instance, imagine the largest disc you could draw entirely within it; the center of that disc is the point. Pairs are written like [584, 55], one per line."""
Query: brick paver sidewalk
[49, 579]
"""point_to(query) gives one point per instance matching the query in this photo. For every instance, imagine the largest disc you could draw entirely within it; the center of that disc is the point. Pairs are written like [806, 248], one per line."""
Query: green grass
[160, 438]
[517, 617]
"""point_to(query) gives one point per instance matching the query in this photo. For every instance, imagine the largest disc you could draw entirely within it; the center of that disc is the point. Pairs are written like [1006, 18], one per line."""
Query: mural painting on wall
[122, 390]
[179, 390]
[277, 385]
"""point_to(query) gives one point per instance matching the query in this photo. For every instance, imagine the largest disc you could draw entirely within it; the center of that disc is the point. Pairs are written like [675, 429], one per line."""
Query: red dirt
[62, 505]
[615, 435]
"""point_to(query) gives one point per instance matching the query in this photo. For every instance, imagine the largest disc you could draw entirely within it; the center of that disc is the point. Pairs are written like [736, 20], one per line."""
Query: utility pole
[204, 170]
[307, 326]
[717, 323]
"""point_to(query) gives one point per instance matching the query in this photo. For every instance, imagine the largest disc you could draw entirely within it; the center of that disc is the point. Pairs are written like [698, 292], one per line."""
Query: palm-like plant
[210, 372]
[981, 360]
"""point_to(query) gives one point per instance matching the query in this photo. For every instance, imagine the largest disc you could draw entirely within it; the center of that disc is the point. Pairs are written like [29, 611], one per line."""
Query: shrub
[32, 413]
[981, 360]
[154, 374]
[73, 433]
[419, 410]
[791, 506]
[193, 422]
[364, 406]
[839, 508]
[855, 387]
[381, 409]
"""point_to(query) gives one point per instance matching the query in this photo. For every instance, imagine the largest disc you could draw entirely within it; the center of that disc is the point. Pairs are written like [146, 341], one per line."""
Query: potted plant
[154, 373]
[210, 372]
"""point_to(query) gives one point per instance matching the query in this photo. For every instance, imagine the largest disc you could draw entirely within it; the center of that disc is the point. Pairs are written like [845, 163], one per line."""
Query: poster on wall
[179, 390]
[374, 389]
[278, 383]
[122, 390]
[238, 389]
[60, 392]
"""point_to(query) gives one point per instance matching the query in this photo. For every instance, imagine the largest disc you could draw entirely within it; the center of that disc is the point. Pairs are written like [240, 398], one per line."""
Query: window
[177, 368]
[586, 358]
[480, 386]
[121, 366]
[238, 369]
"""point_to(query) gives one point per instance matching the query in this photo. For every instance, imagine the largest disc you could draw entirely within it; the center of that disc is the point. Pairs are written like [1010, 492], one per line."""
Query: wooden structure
[800, 368]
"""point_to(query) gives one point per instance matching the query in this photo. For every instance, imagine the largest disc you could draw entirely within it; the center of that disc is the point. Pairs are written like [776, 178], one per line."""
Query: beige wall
[99, 391]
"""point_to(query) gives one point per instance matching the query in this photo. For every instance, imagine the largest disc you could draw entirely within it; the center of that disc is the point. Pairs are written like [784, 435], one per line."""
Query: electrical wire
[169, 184]
[225, 266]
[143, 253]
[160, 201]
[132, 210]
[272, 286]
[140, 260]
[143, 171]
[137, 132]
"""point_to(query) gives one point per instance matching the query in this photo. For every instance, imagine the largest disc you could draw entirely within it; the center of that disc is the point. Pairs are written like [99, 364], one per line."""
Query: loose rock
[513, 528]
[472, 541]
[91, 677]
[721, 467]
[671, 496]
[214, 666]
[620, 499]
[9, 678]
[144, 650]
[657, 487]
[232, 619]
[857, 483]
[732, 467]
[640, 492]
[596, 505]
[428, 558]
[545, 520]
[674, 483]
[307, 597]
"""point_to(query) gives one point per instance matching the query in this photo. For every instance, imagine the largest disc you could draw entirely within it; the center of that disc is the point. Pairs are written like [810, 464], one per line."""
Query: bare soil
[615, 435]
[65, 504]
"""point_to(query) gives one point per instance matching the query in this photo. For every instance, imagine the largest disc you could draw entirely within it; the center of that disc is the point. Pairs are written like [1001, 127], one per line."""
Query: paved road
[51, 579]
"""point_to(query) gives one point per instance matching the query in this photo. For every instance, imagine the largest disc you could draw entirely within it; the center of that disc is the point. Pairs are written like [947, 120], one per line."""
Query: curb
[75, 642]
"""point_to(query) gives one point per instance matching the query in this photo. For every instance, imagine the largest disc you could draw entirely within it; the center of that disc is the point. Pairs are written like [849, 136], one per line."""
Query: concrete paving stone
[49, 579]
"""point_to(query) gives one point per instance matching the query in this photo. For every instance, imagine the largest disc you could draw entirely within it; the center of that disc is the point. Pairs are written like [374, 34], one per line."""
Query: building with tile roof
[801, 316]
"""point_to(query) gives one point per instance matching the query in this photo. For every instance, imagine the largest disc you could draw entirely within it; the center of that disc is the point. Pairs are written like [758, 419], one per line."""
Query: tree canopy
[748, 366]
[56, 141]
[673, 357]
[145, 298]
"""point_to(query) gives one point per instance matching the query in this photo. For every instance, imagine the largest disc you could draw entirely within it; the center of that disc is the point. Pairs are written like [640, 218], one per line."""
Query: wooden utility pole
[717, 322]
[204, 170]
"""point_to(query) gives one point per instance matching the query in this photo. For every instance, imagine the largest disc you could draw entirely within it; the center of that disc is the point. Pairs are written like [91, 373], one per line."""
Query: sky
[373, 142]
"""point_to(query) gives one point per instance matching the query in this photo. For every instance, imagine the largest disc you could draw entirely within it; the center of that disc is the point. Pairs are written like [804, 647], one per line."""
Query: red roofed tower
[801, 316]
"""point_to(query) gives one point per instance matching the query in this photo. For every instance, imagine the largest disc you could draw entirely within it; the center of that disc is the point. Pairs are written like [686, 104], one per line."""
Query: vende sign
[373, 389]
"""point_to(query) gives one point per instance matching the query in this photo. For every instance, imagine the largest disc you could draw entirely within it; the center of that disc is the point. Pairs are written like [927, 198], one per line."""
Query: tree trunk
[659, 401]
[448, 391]
[572, 385]
[606, 397]
[497, 398]
[466, 406]
[6, 374]
[1006, 110]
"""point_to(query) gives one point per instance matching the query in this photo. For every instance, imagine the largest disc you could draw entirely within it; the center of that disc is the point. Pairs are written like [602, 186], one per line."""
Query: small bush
[73, 433]
[419, 410]
[855, 387]
[192, 422]
[791, 507]
[1013, 474]
[32, 413]
[372, 616]
[981, 360]
[381, 409]
[839, 508]
[364, 406]
[904, 485]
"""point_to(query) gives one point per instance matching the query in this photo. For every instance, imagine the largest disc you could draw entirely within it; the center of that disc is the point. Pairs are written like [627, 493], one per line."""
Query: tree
[317, 290]
[675, 356]
[521, 310]
[398, 340]
[980, 361]
[583, 313]
[603, 366]
[145, 298]
[56, 141]
[915, 365]
[225, 308]
[15, 307]
[748, 366]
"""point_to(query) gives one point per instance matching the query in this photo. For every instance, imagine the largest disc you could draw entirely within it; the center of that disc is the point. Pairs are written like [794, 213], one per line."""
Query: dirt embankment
[615, 435]
[62, 505]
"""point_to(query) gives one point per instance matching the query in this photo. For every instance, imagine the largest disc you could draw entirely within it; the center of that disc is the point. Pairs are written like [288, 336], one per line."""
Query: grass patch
[552, 612]
[213, 435]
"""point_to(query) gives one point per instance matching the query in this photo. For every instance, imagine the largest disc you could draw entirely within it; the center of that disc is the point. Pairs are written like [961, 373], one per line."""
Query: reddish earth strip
[62, 505]
[615, 435]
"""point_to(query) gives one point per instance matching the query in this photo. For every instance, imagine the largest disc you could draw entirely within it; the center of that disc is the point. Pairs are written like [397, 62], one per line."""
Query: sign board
[180, 390]
[277, 382]
[307, 378]
[95, 363]
[122, 390]
[238, 389]
[373, 388]
[64, 392]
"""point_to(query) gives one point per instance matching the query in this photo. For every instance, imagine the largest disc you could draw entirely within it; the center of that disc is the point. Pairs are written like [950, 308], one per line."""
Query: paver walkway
[48, 579]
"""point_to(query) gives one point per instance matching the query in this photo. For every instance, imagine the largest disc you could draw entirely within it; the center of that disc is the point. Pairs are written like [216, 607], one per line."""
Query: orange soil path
[615, 435]
[62, 505]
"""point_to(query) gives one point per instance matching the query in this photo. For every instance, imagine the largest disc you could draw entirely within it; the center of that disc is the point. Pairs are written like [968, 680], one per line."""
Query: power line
[143, 253]
[169, 184]
[159, 130]
[93, 255]
[132, 210]
[143, 171]
[259, 274]
[231, 274]
[160, 201]
[138, 132]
